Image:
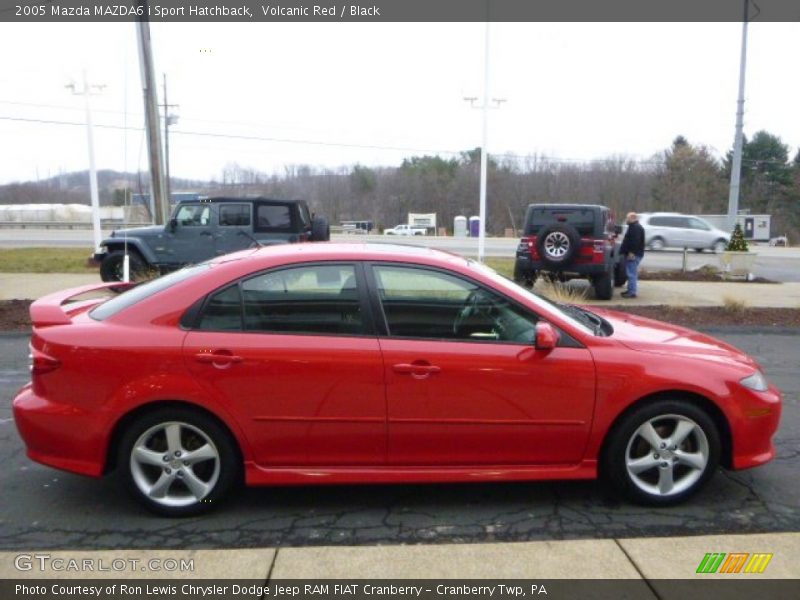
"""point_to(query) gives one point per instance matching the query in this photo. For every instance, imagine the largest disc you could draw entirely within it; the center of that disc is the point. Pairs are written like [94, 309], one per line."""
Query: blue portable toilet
[474, 226]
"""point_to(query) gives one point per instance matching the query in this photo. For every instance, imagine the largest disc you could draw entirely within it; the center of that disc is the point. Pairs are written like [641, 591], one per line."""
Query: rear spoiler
[49, 310]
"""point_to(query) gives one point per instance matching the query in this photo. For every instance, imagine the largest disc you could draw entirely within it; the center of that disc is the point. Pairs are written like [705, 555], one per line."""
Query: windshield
[135, 295]
[546, 306]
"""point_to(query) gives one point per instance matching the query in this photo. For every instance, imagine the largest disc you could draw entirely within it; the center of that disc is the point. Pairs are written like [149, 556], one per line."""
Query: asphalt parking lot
[46, 509]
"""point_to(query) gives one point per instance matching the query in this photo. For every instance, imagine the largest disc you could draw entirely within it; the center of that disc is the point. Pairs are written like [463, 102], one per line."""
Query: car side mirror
[618, 229]
[546, 336]
[173, 225]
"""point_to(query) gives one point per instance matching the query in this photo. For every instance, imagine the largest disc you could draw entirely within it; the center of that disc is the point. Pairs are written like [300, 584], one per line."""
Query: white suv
[674, 230]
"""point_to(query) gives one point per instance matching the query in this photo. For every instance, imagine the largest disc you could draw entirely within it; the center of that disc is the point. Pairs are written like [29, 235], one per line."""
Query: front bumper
[58, 435]
[754, 423]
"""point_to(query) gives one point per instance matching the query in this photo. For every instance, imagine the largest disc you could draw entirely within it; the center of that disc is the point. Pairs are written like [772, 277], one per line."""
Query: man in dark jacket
[632, 252]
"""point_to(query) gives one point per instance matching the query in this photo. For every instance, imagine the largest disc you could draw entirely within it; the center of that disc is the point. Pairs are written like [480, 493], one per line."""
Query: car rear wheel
[178, 462]
[662, 453]
[603, 286]
[620, 273]
[657, 244]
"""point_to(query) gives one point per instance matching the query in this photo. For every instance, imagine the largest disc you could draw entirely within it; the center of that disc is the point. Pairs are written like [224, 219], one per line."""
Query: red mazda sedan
[356, 363]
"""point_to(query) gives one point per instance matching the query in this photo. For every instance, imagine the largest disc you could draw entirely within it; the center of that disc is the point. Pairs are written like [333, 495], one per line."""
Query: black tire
[526, 279]
[624, 443]
[620, 273]
[603, 286]
[111, 269]
[221, 473]
[558, 244]
[320, 230]
[699, 250]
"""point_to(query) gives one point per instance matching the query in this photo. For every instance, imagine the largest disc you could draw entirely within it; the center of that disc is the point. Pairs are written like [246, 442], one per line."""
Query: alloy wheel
[667, 455]
[175, 464]
[556, 244]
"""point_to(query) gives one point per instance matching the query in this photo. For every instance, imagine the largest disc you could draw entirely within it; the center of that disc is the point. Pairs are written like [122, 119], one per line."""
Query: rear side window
[314, 299]
[273, 217]
[142, 291]
[223, 311]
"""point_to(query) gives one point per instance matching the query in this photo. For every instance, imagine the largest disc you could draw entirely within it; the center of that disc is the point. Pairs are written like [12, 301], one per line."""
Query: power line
[255, 138]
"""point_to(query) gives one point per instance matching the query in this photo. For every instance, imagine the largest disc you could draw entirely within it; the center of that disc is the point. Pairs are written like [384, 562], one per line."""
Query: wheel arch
[702, 402]
[134, 245]
[118, 429]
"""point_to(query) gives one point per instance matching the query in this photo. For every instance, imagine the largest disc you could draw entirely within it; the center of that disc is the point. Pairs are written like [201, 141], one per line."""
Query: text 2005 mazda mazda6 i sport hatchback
[356, 363]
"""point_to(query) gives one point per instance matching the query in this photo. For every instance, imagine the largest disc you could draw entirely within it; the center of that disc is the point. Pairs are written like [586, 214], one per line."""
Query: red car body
[373, 408]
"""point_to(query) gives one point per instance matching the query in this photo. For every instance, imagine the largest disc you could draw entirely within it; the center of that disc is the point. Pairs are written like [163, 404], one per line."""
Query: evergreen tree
[738, 243]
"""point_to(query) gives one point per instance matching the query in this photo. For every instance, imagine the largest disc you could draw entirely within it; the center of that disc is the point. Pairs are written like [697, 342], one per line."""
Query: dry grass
[734, 305]
[561, 292]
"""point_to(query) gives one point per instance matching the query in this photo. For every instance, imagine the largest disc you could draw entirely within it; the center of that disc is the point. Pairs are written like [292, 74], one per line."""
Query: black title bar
[378, 11]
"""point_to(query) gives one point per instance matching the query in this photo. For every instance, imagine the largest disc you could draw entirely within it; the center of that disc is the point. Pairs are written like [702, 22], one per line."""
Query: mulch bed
[696, 275]
[14, 315]
[715, 316]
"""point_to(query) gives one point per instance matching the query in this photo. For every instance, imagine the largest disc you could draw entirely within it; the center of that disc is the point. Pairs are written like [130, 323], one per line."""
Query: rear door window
[234, 215]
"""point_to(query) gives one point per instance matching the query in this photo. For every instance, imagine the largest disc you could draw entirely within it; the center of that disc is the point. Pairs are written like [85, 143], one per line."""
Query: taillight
[41, 363]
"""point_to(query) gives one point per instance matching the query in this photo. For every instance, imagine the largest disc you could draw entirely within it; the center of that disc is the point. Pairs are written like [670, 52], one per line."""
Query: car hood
[648, 335]
[152, 231]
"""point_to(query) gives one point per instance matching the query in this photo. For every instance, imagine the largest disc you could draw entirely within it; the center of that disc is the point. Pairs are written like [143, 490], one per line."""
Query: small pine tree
[737, 243]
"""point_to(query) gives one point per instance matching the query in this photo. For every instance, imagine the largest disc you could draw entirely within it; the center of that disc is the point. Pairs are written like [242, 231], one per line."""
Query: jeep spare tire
[558, 244]
[320, 230]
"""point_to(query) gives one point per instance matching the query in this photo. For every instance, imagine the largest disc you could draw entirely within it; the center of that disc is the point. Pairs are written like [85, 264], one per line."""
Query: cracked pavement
[42, 508]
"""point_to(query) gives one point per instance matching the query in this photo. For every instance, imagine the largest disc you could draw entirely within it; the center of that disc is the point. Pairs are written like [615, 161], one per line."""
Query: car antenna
[244, 233]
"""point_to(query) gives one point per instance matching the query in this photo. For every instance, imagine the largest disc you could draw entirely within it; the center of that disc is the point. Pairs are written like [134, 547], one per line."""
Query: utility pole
[86, 91]
[168, 120]
[484, 149]
[736, 167]
[150, 94]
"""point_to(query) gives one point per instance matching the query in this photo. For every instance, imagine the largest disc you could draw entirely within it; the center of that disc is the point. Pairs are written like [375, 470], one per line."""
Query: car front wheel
[178, 462]
[662, 453]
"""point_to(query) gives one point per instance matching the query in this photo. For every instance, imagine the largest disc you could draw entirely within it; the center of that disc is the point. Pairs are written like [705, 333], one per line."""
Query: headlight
[756, 382]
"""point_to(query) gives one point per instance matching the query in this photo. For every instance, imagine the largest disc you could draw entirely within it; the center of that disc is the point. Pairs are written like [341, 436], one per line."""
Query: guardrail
[105, 224]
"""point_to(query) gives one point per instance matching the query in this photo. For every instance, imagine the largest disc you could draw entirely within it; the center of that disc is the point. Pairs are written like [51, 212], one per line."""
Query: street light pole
[484, 151]
[86, 91]
[736, 166]
[168, 120]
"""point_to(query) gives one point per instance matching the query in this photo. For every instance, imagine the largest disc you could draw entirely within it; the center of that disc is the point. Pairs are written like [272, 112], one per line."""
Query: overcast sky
[373, 94]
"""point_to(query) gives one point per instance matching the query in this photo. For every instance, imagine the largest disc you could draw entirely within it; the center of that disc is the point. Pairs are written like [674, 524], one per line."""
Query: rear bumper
[59, 436]
[525, 266]
[757, 419]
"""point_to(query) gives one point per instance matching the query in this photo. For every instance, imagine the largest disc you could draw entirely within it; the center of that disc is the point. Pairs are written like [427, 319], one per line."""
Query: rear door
[234, 227]
[292, 353]
[464, 383]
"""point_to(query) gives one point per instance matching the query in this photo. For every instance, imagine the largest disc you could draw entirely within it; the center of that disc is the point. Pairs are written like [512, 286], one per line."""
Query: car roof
[305, 252]
[568, 206]
[249, 199]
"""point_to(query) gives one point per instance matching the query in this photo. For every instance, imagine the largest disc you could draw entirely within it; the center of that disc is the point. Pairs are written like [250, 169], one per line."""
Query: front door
[192, 238]
[464, 383]
[290, 354]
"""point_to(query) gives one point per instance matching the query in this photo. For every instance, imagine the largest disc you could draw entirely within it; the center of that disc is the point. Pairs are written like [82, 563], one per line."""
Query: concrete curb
[639, 558]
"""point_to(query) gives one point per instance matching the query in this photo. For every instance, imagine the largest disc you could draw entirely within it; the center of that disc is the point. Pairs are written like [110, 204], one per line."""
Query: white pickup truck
[405, 230]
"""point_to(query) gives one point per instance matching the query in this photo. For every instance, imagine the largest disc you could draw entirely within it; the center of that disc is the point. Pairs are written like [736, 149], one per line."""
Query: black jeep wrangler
[201, 229]
[567, 241]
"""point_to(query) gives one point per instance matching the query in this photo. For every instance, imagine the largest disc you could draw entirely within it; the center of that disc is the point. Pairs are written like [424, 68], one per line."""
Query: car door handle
[218, 359]
[417, 369]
